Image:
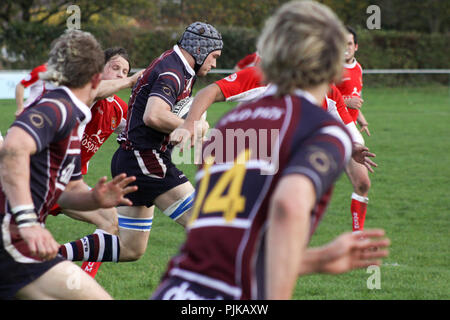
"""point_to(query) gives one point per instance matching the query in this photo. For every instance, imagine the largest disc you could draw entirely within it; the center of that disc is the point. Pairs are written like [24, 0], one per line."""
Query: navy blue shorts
[154, 171]
[17, 267]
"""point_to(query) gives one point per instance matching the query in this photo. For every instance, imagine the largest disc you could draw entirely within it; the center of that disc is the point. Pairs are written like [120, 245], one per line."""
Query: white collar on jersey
[191, 71]
[350, 65]
[272, 89]
[80, 104]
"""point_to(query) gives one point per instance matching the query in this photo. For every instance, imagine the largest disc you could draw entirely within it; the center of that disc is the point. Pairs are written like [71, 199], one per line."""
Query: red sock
[91, 268]
[358, 209]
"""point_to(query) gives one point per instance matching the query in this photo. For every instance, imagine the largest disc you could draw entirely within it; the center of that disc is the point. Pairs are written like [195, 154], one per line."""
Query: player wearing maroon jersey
[144, 147]
[255, 212]
[350, 87]
[40, 165]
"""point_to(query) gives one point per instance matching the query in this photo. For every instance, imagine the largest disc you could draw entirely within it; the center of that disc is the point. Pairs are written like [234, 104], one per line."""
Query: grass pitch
[409, 198]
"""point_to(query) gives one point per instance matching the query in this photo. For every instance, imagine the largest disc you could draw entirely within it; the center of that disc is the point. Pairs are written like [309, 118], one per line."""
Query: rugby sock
[358, 209]
[91, 268]
[96, 247]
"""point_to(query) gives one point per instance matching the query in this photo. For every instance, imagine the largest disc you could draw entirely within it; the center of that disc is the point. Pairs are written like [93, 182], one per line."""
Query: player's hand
[135, 77]
[356, 250]
[109, 194]
[181, 135]
[361, 155]
[365, 128]
[40, 242]
[189, 132]
[354, 103]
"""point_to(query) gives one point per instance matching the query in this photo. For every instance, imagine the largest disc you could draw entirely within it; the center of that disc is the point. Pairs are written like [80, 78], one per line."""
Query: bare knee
[362, 186]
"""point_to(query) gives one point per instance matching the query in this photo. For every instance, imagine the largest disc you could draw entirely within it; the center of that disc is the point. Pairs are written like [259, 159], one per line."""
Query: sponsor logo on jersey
[231, 77]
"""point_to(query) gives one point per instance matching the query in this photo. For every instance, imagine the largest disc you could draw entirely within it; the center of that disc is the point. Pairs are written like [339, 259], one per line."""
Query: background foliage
[414, 34]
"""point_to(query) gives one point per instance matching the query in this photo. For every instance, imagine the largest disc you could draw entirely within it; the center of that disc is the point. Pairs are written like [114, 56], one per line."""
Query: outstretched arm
[105, 194]
[347, 252]
[109, 87]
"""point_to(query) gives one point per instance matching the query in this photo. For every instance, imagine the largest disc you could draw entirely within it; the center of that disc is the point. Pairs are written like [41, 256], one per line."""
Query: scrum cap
[200, 39]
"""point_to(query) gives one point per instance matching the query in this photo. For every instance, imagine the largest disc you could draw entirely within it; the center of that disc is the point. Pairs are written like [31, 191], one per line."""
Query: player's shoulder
[312, 114]
[358, 66]
[120, 101]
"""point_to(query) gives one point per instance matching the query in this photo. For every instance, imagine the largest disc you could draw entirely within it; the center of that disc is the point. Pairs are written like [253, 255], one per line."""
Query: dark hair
[117, 51]
[353, 32]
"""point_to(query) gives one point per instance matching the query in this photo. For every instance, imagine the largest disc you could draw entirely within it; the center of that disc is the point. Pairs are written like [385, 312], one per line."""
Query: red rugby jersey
[351, 84]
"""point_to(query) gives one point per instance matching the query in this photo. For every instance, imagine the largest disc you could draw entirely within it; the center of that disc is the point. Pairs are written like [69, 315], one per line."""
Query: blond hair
[74, 58]
[302, 46]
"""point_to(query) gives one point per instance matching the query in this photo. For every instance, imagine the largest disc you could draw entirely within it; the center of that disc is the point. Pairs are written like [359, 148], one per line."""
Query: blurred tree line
[428, 16]
[146, 28]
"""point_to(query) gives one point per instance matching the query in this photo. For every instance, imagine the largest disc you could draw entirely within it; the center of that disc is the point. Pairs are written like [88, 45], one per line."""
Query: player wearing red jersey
[249, 60]
[108, 116]
[350, 88]
[247, 85]
[37, 88]
[253, 216]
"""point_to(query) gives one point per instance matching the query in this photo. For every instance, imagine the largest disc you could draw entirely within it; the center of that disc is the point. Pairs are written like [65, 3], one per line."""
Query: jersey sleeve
[45, 122]
[336, 96]
[321, 157]
[32, 77]
[167, 86]
[236, 85]
[248, 59]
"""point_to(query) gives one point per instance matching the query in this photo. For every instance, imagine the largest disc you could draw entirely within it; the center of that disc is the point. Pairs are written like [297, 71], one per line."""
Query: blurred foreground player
[254, 214]
[40, 165]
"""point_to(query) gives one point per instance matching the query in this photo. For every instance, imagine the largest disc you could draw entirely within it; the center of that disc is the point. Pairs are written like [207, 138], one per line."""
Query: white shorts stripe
[220, 222]
[207, 281]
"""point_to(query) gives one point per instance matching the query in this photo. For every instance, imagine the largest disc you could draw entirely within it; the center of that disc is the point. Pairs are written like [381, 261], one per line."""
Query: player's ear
[95, 80]
[356, 47]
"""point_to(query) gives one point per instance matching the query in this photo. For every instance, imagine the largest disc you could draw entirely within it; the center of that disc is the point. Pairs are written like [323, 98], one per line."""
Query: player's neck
[84, 94]
[190, 59]
[350, 61]
[318, 92]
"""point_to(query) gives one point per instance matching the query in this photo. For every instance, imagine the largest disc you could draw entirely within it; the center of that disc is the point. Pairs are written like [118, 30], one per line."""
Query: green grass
[409, 198]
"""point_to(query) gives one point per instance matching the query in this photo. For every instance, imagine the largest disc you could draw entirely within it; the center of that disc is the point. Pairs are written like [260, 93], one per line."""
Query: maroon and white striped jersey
[56, 123]
[250, 150]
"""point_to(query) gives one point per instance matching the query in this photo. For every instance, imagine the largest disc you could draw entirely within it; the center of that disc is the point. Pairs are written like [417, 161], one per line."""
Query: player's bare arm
[20, 90]
[364, 125]
[347, 252]
[202, 101]
[109, 87]
[105, 194]
[158, 116]
[287, 236]
[15, 163]
[354, 102]
[15, 177]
